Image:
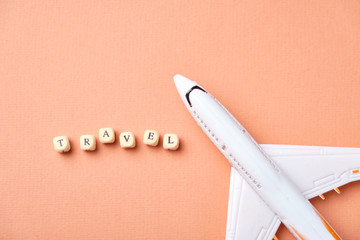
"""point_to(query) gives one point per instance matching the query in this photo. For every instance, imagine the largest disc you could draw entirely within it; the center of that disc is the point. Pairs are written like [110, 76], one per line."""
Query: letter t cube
[61, 144]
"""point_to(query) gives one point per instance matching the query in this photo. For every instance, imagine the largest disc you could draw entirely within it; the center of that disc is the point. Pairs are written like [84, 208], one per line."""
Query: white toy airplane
[270, 184]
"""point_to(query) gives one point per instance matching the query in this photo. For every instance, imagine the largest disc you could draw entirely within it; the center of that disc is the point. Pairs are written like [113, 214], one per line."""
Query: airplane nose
[183, 84]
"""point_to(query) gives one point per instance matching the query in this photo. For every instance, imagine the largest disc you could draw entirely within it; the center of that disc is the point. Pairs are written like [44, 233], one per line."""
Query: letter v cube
[127, 140]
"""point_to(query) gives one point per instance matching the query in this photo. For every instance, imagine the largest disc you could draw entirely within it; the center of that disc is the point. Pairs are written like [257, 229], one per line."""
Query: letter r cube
[88, 142]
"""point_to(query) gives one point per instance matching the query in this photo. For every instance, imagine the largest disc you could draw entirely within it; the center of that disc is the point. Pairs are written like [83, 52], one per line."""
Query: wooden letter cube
[88, 142]
[171, 141]
[106, 135]
[61, 144]
[151, 138]
[127, 140]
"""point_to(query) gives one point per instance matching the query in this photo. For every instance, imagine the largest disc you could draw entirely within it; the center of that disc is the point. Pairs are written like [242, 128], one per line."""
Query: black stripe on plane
[187, 95]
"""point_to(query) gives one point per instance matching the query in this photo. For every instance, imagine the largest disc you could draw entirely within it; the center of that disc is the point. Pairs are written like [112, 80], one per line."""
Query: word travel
[127, 140]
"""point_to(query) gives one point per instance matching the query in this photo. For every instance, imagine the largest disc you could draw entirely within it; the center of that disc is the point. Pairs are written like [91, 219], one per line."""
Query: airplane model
[270, 184]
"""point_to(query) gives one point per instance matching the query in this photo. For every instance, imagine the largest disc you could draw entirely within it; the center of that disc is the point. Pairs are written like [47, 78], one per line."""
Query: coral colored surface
[288, 70]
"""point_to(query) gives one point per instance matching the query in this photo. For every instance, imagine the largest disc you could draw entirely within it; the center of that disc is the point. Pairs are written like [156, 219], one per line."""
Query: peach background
[288, 70]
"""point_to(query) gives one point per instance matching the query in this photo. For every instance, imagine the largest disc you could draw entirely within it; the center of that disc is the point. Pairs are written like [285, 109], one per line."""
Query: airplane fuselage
[260, 172]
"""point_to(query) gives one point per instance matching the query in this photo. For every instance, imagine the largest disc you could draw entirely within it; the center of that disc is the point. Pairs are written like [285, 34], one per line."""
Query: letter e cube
[151, 138]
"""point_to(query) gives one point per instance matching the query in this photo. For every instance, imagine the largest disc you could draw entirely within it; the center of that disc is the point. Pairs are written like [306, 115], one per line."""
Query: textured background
[288, 70]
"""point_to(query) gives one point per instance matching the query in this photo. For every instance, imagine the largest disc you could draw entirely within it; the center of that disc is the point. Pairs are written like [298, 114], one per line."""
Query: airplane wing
[248, 216]
[315, 170]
